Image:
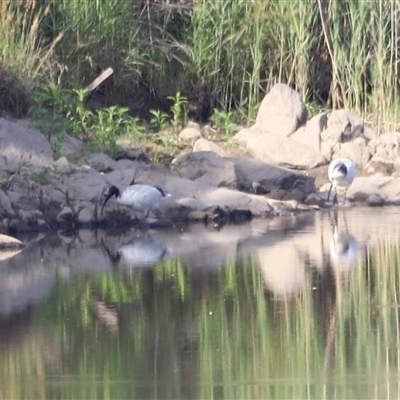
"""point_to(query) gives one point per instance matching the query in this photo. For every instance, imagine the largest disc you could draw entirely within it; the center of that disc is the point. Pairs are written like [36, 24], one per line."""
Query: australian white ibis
[138, 197]
[341, 173]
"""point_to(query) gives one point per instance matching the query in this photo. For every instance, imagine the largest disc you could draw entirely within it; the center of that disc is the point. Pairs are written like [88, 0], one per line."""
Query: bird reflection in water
[283, 269]
[141, 252]
[344, 246]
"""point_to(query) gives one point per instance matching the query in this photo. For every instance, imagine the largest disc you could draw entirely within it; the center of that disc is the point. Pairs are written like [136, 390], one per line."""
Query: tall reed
[22, 48]
[338, 54]
[25, 58]
[362, 41]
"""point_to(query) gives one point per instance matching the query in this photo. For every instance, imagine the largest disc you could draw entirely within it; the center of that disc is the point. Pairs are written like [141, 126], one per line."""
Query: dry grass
[336, 54]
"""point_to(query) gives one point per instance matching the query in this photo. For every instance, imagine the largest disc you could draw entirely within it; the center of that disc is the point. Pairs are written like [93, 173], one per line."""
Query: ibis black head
[113, 191]
[163, 192]
[342, 169]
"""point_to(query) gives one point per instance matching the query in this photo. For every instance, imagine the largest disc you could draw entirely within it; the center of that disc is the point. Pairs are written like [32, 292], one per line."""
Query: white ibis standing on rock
[138, 197]
[341, 173]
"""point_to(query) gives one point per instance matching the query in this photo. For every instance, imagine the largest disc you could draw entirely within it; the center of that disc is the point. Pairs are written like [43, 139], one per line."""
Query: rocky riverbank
[282, 169]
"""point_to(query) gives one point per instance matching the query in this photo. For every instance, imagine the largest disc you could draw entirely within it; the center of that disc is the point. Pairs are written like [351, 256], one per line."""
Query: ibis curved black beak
[329, 193]
[113, 191]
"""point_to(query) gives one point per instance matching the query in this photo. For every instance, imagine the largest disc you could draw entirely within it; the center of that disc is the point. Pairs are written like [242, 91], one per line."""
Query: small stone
[63, 166]
[192, 124]
[132, 154]
[209, 132]
[43, 225]
[206, 145]
[102, 162]
[27, 217]
[314, 199]
[85, 216]
[66, 214]
[190, 135]
[374, 200]
[197, 216]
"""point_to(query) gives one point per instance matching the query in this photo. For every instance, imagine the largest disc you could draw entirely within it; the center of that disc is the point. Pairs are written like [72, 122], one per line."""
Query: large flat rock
[278, 149]
[22, 144]
[245, 174]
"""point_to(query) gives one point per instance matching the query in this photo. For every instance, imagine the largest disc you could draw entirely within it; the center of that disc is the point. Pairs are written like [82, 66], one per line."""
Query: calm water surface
[303, 307]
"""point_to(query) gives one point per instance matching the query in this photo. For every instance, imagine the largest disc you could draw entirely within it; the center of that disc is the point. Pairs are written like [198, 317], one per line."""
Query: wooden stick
[101, 78]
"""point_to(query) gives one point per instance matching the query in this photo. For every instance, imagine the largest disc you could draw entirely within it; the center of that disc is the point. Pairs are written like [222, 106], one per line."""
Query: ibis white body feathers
[142, 198]
[138, 197]
[341, 173]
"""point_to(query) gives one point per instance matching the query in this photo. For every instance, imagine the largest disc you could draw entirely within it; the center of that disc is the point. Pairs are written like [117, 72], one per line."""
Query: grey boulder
[282, 111]
[279, 150]
[245, 174]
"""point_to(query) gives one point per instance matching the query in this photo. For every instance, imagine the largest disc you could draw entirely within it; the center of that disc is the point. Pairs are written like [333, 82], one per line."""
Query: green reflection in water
[176, 332]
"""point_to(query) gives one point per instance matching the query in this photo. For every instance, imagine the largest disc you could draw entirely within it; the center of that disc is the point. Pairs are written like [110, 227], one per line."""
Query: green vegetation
[159, 119]
[43, 176]
[336, 54]
[178, 109]
[58, 110]
[223, 120]
[48, 107]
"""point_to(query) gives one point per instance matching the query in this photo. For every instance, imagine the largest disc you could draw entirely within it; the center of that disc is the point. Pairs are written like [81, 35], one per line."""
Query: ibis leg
[329, 193]
[335, 200]
[137, 220]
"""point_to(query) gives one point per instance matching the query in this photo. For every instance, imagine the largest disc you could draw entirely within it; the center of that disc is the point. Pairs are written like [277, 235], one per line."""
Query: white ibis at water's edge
[341, 173]
[138, 197]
